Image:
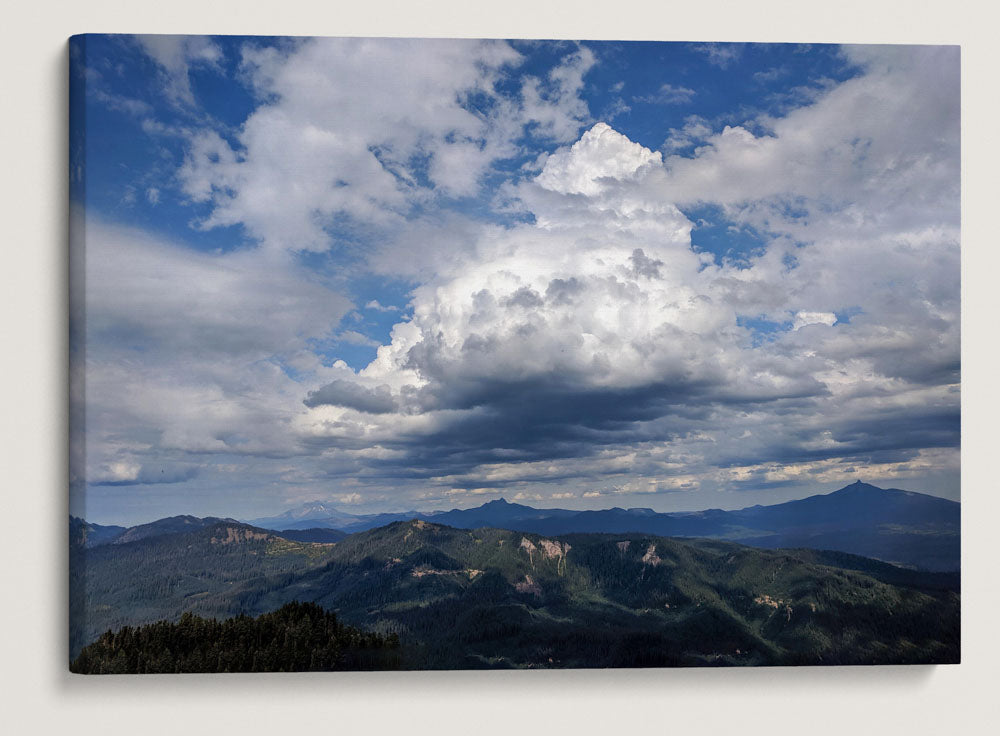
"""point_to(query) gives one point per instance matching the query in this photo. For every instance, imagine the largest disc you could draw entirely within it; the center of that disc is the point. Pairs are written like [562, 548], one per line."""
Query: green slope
[162, 577]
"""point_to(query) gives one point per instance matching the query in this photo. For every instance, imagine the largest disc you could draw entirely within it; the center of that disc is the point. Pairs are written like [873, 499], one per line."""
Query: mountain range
[903, 527]
[459, 598]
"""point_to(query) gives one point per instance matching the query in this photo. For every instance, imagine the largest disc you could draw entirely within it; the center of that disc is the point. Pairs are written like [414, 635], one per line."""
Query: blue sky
[393, 274]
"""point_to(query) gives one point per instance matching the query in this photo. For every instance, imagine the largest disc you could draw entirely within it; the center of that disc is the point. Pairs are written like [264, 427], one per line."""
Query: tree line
[296, 637]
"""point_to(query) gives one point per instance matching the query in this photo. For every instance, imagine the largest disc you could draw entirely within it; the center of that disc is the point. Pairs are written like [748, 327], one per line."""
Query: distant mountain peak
[312, 506]
[860, 485]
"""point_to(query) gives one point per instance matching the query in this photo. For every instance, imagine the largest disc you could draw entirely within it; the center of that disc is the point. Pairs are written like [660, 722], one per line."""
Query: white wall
[39, 696]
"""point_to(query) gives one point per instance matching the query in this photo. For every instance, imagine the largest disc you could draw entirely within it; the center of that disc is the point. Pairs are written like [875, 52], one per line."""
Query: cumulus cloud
[597, 342]
[371, 144]
[601, 154]
[357, 129]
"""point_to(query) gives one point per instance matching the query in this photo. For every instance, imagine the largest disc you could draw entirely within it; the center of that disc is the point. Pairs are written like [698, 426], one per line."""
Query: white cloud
[121, 471]
[721, 54]
[374, 304]
[553, 105]
[898, 157]
[521, 496]
[772, 74]
[353, 337]
[370, 142]
[814, 318]
[602, 153]
[694, 131]
[176, 55]
[168, 298]
[184, 350]
[669, 94]
[356, 129]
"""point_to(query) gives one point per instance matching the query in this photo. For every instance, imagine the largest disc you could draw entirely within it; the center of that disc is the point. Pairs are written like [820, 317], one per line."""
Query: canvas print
[466, 354]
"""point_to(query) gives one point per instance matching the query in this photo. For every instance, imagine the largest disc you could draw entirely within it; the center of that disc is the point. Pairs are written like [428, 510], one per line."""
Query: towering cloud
[599, 332]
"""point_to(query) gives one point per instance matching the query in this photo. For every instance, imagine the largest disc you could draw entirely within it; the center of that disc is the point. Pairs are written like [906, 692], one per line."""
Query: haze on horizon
[394, 274]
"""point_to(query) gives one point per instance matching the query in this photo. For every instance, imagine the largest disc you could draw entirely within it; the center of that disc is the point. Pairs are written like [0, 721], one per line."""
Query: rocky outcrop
[239, 534]
[651, 558]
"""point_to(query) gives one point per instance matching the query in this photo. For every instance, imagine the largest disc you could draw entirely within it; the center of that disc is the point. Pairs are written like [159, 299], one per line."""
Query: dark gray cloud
[152, 475]
[340, 392]
[525, 297]
[561, 292]
[644, 266]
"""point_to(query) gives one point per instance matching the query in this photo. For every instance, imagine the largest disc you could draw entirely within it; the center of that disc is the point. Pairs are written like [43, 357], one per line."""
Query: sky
[394, 274]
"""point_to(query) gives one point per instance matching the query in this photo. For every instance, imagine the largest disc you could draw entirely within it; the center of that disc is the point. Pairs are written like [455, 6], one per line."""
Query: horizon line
[503, 499]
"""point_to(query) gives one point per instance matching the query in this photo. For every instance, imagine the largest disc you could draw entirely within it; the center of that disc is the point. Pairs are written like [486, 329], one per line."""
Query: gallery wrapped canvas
[466, 354]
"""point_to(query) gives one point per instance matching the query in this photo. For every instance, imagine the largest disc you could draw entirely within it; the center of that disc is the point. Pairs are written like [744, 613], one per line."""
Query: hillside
[498, 598]
[163, 576]
[85, 534]
[318, 535]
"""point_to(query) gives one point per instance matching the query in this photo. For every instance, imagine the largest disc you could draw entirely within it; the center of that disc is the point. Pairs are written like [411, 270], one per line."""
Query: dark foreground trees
[296, 637]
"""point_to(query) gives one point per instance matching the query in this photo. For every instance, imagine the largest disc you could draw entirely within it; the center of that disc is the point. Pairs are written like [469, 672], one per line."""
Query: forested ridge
[296, 637]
